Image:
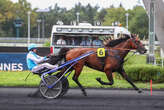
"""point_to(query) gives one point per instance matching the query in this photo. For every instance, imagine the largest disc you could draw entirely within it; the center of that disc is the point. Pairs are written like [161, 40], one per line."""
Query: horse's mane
[115, 42]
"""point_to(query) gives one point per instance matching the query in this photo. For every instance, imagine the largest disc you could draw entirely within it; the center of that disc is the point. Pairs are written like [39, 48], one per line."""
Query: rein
[124, 49]
[120, 49]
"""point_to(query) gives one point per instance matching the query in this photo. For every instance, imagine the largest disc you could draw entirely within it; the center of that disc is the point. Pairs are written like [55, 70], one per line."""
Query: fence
[12, 41]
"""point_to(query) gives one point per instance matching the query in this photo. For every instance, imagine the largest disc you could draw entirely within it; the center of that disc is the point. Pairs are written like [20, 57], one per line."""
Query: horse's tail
[54, 59]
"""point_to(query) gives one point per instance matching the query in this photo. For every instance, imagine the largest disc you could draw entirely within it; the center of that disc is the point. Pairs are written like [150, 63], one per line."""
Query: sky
[43, 4]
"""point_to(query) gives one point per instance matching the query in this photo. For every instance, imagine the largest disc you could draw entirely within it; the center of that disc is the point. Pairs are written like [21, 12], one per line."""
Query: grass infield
[87, 79]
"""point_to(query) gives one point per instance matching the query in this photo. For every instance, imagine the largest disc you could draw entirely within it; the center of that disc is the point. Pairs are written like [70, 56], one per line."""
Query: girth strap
[108, 53]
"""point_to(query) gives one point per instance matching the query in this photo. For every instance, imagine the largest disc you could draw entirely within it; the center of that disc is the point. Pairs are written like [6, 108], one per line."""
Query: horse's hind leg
[124, 75]
[110, 78]
[78, 69]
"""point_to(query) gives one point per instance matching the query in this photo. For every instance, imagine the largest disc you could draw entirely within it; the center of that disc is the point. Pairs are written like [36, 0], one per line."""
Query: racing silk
[33, 60]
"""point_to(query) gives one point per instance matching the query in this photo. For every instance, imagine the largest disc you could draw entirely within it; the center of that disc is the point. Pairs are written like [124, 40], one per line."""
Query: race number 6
[101, 52]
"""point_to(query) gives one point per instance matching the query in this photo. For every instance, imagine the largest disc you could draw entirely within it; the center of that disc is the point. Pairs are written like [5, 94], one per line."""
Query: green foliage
[6, 11]
[21, 9]
[135, 59]
[139, 22]
[87, 79]
[9, 12]
[145, 72]
[6, 15]
[138, 70]
[100, 15]
[47, 44]
[113, 15]
[138, 19]
[9, 78]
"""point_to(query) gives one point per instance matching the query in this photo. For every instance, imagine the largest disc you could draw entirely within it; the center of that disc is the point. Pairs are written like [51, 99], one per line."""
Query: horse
[116, 51]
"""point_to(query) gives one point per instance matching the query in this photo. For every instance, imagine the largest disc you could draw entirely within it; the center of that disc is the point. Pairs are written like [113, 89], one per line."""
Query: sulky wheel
[53, 92]
[65, 86]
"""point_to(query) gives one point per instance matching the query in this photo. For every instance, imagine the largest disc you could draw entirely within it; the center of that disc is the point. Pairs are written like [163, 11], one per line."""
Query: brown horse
[112, 62]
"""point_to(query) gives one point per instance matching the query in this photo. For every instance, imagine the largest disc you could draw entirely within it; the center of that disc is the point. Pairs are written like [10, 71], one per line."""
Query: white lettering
[6, 67]
[20, 67]
[11, 67]
[14, 67]
[1, 67]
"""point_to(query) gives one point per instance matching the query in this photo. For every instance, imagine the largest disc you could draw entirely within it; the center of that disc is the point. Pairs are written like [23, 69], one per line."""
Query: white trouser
[44, 65]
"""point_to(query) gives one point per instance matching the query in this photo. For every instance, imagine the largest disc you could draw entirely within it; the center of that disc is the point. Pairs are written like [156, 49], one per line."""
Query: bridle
[137, 45]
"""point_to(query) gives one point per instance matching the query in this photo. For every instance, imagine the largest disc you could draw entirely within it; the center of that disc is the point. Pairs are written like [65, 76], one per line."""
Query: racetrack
[97, 99]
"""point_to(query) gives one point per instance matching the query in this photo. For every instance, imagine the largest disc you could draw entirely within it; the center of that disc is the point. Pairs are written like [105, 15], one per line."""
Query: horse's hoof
[85, 94]
[140, 91]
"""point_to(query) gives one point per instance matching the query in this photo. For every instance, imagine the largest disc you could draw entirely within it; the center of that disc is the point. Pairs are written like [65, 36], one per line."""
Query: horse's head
[137, 44]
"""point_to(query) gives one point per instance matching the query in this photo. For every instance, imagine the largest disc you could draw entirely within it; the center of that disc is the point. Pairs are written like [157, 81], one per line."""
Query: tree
[139, 22]
[55, 14]
[87, 13]
[20, 10]
[138, 19]
[6, 15]
[120, 6]
[9, 11]
[100, 15]
[91, 12]
[114, 15]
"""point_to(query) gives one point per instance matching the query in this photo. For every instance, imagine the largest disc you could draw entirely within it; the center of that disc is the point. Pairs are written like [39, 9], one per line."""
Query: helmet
[32, 46]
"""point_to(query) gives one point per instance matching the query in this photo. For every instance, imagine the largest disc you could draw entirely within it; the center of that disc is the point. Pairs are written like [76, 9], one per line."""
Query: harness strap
[102, 60]
[107, 53]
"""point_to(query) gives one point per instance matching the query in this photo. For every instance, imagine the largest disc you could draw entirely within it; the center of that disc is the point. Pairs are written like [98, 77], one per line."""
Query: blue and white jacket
[33, 60]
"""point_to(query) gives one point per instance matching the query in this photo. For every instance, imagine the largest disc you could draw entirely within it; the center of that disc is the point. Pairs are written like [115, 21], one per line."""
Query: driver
[35, 62]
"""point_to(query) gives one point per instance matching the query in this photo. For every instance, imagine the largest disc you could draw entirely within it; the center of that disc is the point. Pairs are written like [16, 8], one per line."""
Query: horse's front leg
[125, 76]
[110, 78]
[78, 69]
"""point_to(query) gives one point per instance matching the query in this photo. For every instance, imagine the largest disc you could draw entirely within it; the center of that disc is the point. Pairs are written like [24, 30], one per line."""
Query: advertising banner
[13, 62]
